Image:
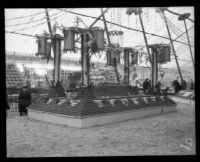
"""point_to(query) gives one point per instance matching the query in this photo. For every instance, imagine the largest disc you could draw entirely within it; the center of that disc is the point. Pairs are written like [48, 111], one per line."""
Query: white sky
[152, 23]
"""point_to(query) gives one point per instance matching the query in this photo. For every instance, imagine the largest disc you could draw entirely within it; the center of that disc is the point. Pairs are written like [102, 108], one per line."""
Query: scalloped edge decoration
[124, 101]
[49, 101]
[61, 102]
[135, 101]
[99, 103]
[74, 102]
[112, 102]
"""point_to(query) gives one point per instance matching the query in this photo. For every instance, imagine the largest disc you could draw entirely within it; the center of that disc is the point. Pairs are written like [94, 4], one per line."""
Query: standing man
[183, 85]
[148, 85]
[158, 87]
[24, 100]
[144, 85]
[7, 105]
[176, 85]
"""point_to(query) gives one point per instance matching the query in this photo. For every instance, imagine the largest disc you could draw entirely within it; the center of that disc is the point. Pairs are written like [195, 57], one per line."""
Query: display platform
[99, 105]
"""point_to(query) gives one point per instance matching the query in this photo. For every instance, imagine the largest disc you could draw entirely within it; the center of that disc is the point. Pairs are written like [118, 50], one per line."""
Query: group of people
[24, 101]
[147, 88]
[182, 85]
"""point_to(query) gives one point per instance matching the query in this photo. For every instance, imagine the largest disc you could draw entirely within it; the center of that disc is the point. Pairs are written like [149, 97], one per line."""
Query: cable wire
[26, 16]
[33, 21]
[39, 24]
[171, 26]
[177, 30]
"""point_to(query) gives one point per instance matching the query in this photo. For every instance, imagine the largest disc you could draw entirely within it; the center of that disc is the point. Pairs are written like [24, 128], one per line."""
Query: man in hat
[24, 100]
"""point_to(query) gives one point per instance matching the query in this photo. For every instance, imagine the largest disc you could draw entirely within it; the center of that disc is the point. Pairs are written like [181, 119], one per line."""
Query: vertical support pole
[82, 54]
[173, 47]
[145, 38]
[106, 28]
[53, 45]
[189, 43]
[48, 22]
[108, 37]
[154, 71]
[126, 66]
[109, 54]
[85, 60]
[57, 41]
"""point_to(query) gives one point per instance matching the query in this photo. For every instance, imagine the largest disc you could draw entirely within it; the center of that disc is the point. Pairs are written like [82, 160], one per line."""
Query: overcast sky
[153, 23]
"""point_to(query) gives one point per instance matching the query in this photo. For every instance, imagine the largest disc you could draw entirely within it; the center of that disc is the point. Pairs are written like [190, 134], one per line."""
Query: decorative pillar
[126, 65]
[154, 69]
[57, 60]
[85, 59]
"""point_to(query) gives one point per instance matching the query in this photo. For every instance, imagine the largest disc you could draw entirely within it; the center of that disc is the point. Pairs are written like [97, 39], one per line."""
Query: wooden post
[126, 65]
[85, 59]
[109, 43]
[145, 38]
[57, 43]
[154, 71]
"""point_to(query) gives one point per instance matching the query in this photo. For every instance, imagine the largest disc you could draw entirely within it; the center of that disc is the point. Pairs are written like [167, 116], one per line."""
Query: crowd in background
[182, 85]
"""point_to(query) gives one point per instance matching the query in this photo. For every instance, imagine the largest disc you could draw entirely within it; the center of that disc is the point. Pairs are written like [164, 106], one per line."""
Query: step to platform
[183, 100]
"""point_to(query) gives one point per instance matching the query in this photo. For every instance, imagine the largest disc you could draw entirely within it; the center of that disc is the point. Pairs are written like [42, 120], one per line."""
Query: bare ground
[155, 135]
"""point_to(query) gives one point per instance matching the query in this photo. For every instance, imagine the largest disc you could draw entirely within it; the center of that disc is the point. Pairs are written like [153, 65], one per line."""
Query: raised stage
[98, 106]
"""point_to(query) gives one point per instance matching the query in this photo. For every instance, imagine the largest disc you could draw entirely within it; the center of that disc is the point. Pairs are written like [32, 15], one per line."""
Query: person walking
[24, 100]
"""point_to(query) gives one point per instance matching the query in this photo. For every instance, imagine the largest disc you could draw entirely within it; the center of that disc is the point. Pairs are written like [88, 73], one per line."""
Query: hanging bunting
[163, 54]
[48, 51]
[41, 45]
[128, 20]
[155, 20]
[111, 18]
[134, 57]
[69, 39]
[147, 17]
[98, 37]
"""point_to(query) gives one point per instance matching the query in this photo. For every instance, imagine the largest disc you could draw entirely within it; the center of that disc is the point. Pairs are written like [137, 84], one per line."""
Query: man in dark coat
[148, 83]
[7, 105]
[176, 85]
[24, 100]
[158, 86]
[145, 85]
[183, 85]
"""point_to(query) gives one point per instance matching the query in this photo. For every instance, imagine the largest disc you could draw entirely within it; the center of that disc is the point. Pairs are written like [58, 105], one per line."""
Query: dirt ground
[167, 134]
